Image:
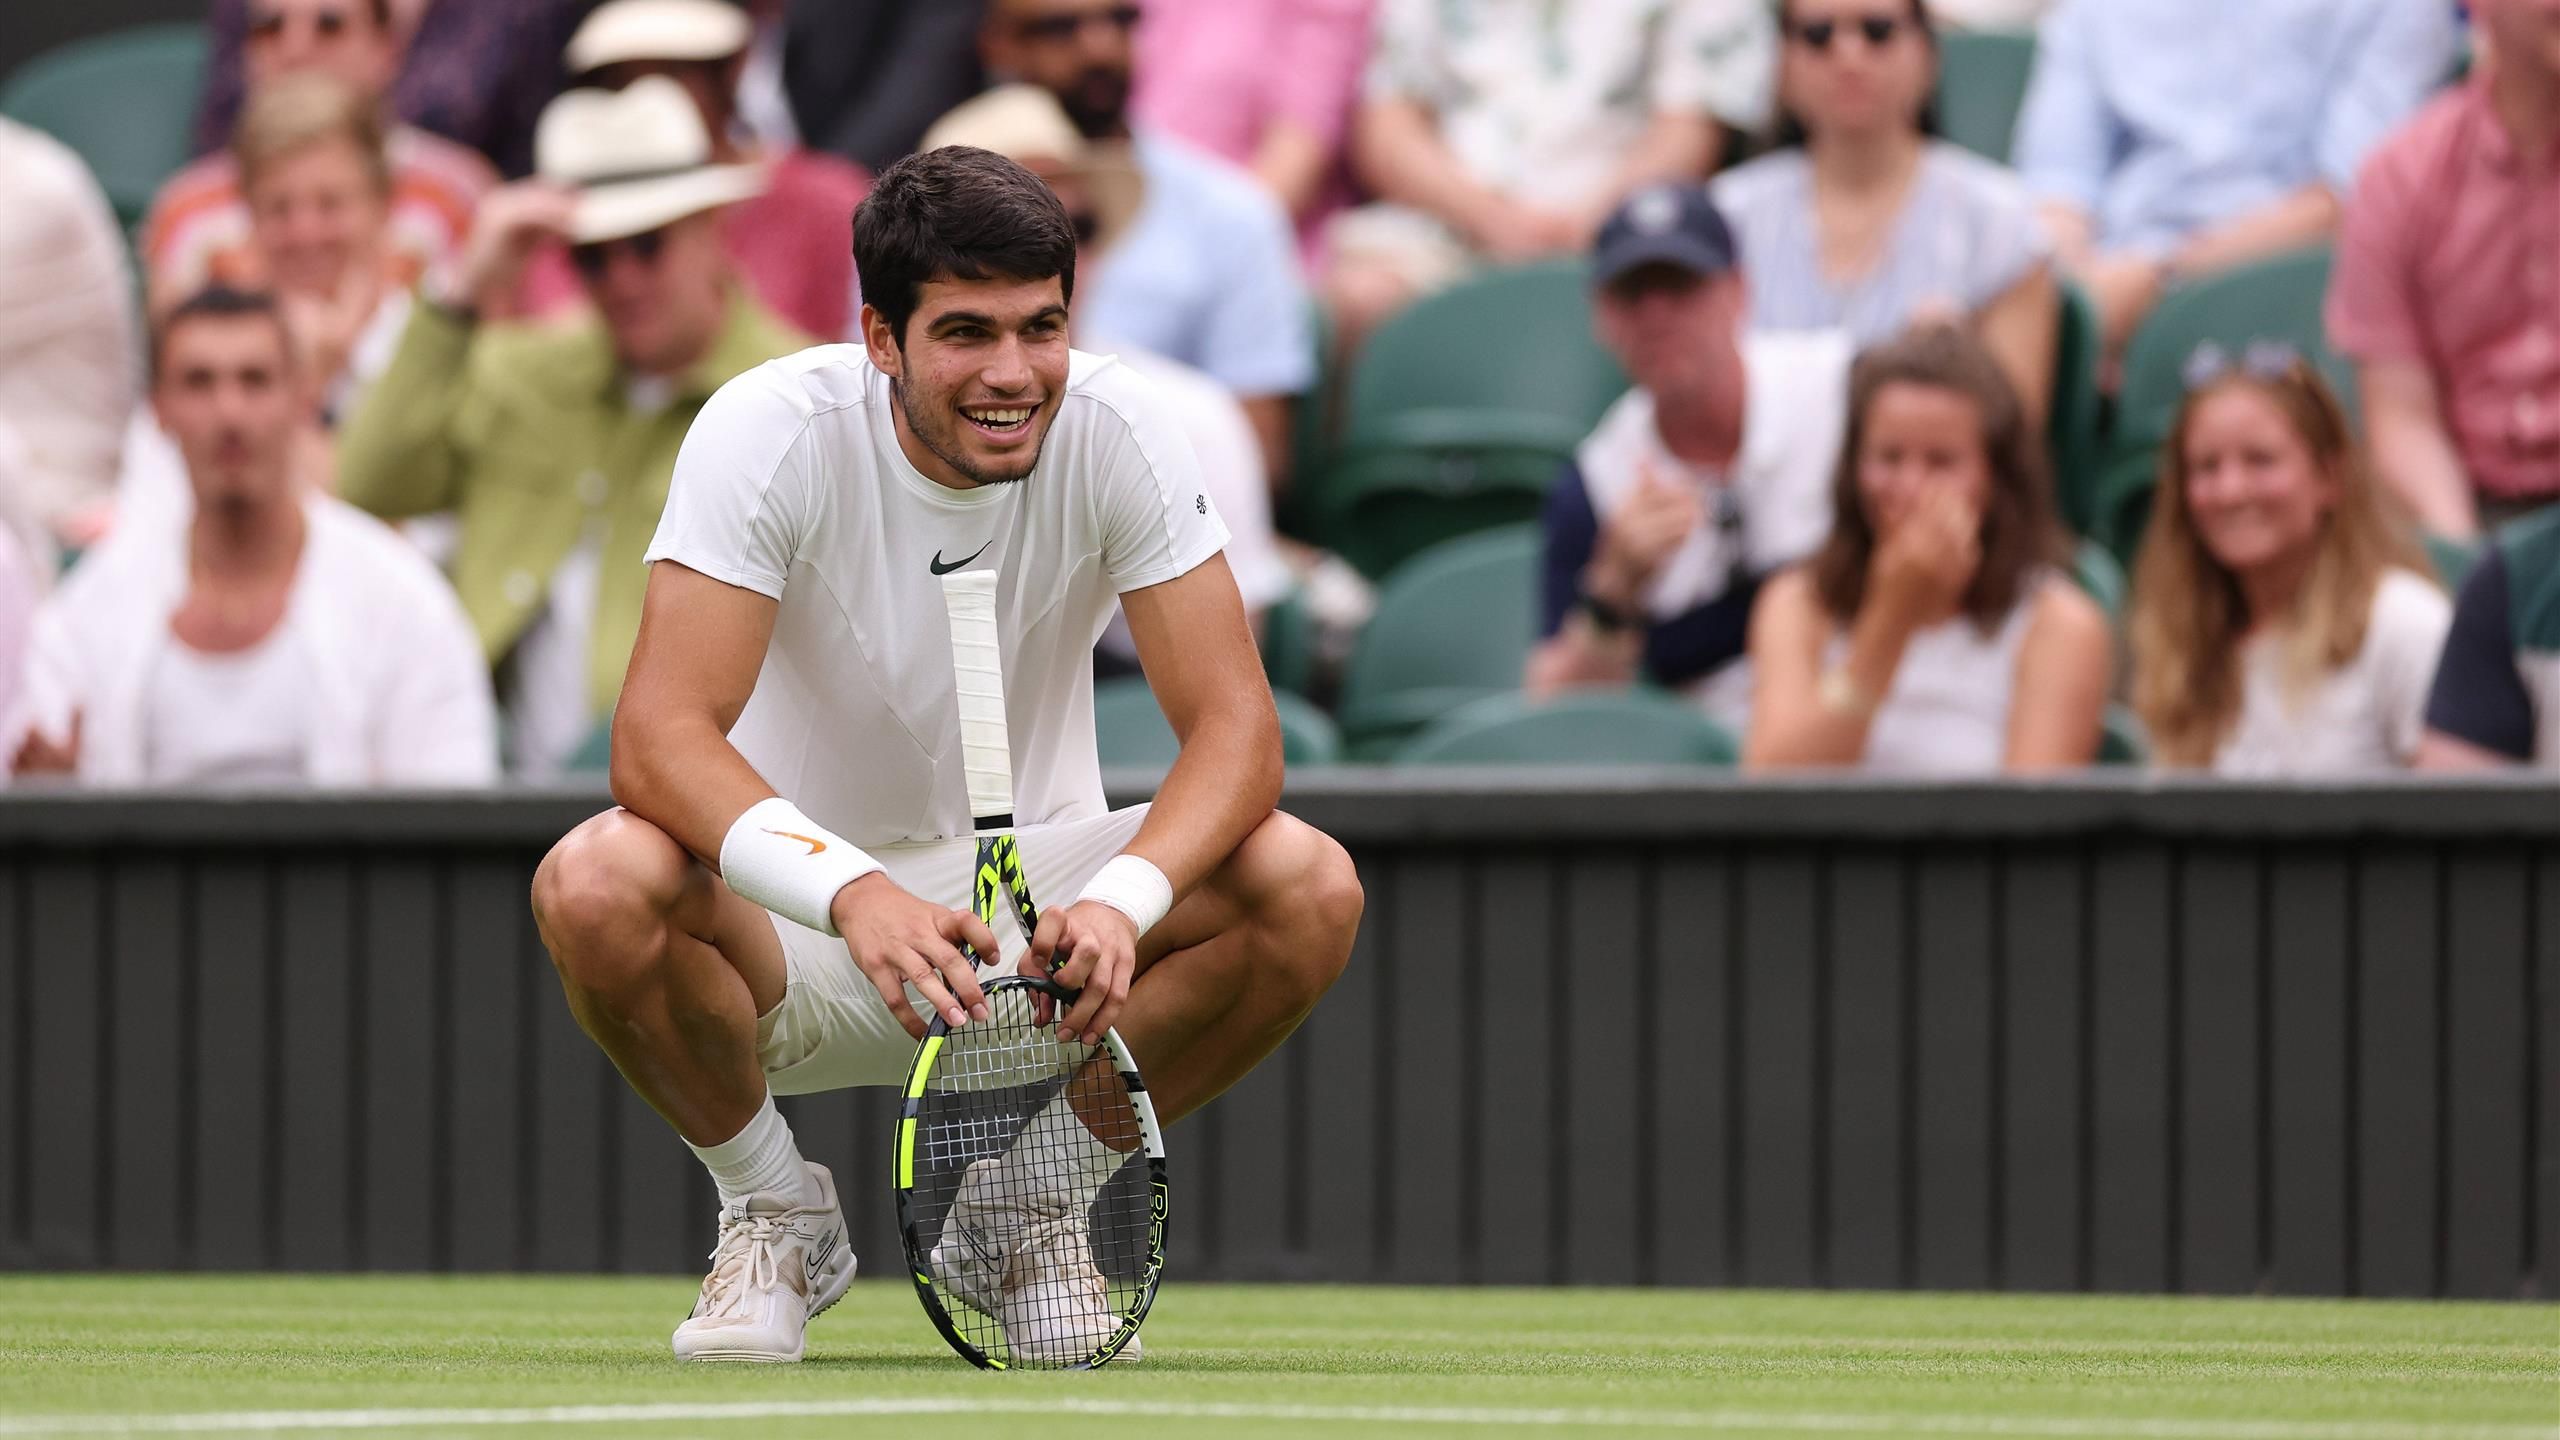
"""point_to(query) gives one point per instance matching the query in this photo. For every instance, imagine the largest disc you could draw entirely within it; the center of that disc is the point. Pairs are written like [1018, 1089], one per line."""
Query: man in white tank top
[791, 702]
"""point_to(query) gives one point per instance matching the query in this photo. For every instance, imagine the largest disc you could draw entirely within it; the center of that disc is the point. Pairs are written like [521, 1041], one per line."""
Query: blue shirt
[1206, 274]
[1966, 234]
[2164, 117]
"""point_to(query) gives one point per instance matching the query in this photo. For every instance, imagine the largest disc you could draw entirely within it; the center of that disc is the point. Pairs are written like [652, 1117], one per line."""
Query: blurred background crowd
[1933, 387]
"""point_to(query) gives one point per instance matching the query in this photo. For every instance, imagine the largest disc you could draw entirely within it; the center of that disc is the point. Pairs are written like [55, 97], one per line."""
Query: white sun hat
[638, 159]
[640, 30]
[1025, 123]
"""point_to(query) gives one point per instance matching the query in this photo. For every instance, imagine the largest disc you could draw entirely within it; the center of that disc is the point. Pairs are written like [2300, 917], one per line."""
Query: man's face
[315, 215]
[1664, 323]
[337, 37]
[1077, 50]
[980, 375]
[663, 294]
[228, 396]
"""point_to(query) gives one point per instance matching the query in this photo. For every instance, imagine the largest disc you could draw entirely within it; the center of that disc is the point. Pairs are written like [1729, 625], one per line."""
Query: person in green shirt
[552, 445]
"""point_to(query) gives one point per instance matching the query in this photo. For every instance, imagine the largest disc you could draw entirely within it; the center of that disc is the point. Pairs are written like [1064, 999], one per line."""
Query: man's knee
[605, 897]
[1312, 896]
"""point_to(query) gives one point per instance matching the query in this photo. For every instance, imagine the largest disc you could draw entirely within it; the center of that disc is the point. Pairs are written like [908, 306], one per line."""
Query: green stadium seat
[1982, 84]
[2451, 558]
[1459, 411]
[1637, 727]
[1131, 731]
[595, 754]
[2121, 740]
[2275, 299]
[1289, 643]
[2100, 577]
[2072, 424]
[1453, 625]
[125, 101]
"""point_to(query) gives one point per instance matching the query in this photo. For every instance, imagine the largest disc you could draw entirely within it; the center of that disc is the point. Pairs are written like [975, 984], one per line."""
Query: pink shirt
[2450, 256]
[1218, 72]
[793, 244]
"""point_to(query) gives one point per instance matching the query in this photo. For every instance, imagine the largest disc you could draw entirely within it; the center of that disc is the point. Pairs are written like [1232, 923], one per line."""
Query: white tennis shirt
[791, 484]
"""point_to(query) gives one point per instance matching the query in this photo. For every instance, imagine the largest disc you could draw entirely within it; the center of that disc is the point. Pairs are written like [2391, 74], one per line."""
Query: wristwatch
[1841, 694]
[1608, 619]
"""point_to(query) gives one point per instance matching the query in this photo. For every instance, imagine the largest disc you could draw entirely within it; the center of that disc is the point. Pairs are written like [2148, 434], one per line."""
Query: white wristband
[1133, 886]
[783, 861]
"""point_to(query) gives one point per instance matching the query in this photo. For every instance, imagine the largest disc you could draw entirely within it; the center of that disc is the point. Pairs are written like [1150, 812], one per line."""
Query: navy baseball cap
[1667, 224]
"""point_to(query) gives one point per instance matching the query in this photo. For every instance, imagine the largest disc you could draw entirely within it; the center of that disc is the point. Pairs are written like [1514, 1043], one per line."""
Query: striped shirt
[1966, 234]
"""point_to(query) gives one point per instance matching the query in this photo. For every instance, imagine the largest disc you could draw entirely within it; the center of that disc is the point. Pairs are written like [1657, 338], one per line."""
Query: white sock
[761, 1160]
[1058, 1131]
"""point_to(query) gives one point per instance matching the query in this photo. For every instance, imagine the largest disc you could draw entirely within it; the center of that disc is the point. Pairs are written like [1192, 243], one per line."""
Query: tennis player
[787, 879]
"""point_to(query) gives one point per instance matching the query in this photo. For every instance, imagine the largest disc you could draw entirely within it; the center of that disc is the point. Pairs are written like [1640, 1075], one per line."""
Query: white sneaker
[1026, 1260]
[775, 1270]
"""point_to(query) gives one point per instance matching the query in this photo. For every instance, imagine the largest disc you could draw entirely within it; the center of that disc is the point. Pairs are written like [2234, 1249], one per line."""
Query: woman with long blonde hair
[2283, 622]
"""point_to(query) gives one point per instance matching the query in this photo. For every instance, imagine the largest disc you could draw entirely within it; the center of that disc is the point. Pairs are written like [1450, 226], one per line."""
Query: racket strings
[1045, 1244]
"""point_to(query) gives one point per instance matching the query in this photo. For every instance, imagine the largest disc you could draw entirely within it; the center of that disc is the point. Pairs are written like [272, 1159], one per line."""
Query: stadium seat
[2120, 739]
[1289, 643]
[1640, 727]
[1453, 625]
[2277, 299]
[595, 754]
[1459, 411]
[2451, 558]
[2100, 577]
[1982, 83]
[125, 101]
[1129, 729]
[2072, 424]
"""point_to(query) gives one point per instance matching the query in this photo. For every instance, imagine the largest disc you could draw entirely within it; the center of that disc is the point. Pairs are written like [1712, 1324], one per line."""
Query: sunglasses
[592, 260]
[2259, 360]
[1058, 28]
[1879, 31]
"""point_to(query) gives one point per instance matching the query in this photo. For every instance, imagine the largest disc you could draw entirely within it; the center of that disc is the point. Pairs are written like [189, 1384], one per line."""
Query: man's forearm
[2306, 217]
[1401, 157]
[681, 774]
[1225, 783]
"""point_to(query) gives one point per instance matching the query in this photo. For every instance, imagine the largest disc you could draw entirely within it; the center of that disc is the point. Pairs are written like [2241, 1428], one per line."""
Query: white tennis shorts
[832, 1030]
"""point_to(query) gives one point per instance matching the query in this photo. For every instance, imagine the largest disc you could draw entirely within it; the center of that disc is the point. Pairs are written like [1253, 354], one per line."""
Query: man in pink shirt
[2447, 285]
[793, 244]
[1267, 84]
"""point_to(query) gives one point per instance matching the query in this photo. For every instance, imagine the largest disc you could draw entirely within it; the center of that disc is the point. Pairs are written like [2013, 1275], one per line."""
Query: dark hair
[1789, 131]
[2019, 533]
[957, 213]
[218, 302]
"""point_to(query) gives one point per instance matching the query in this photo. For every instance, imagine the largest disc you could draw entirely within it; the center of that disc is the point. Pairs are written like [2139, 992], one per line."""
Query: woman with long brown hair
[1934, 633]
[2283, 623]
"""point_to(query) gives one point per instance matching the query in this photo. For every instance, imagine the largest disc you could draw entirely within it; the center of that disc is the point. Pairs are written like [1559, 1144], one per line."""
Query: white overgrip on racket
[790, 864]
[977, 670]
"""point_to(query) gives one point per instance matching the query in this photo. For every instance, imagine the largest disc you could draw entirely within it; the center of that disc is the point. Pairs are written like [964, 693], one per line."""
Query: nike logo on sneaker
[816, 847]
[939, 568]
[818, 1259]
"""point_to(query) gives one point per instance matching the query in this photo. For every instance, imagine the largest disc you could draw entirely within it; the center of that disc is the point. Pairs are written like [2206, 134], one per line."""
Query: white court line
[2057, 1427]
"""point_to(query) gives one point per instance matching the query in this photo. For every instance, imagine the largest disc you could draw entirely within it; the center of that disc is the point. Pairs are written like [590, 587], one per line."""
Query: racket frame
[910, 1231]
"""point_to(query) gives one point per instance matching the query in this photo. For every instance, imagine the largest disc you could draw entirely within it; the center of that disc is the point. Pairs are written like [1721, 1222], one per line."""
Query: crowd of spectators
[339, 469]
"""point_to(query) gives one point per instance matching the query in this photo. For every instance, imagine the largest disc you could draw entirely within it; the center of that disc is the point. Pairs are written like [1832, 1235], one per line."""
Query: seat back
[1634, 727]
[1982, 84]
[1130, 729]
[1453, 625]
[125, 101]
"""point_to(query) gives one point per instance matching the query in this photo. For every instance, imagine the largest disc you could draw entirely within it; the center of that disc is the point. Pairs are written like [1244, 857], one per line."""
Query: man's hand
[511, 222]
[1655, 520]
[1100, 948]
[898, 940]
[39, 755]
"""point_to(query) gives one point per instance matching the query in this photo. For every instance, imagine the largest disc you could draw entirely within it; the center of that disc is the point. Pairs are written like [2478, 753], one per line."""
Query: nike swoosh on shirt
[939, 568]
[816, 847]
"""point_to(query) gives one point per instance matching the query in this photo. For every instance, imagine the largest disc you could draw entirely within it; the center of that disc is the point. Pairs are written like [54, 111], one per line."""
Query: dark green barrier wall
[1641, 1030]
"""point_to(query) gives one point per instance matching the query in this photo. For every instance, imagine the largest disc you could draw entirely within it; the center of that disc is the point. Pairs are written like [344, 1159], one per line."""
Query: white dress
[2365, 716]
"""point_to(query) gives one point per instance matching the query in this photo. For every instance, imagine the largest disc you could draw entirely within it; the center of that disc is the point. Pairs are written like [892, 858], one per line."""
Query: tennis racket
[1022, 1255]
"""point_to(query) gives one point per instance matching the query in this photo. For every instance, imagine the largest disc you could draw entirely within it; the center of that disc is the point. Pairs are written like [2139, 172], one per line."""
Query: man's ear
[880, 341]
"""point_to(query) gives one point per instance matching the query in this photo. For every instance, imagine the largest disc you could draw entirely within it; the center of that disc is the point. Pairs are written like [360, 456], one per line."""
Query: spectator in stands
[1207, 273]
[2282, 623]
[2161, 156]
[2496, 697]
[1708, 476]
[268, 635]
[1099, 189]
[474, 71]
[865, 77]
[555, 443]
[1861, 221]
[2447, 285]
[1935, 633]
[1265, 84]
[793, 243]
[318, 185]
[1507, 132]
[435, 183]
[68, 363]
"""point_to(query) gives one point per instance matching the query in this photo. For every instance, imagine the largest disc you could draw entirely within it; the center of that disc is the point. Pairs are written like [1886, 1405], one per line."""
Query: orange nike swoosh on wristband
[816, 847]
